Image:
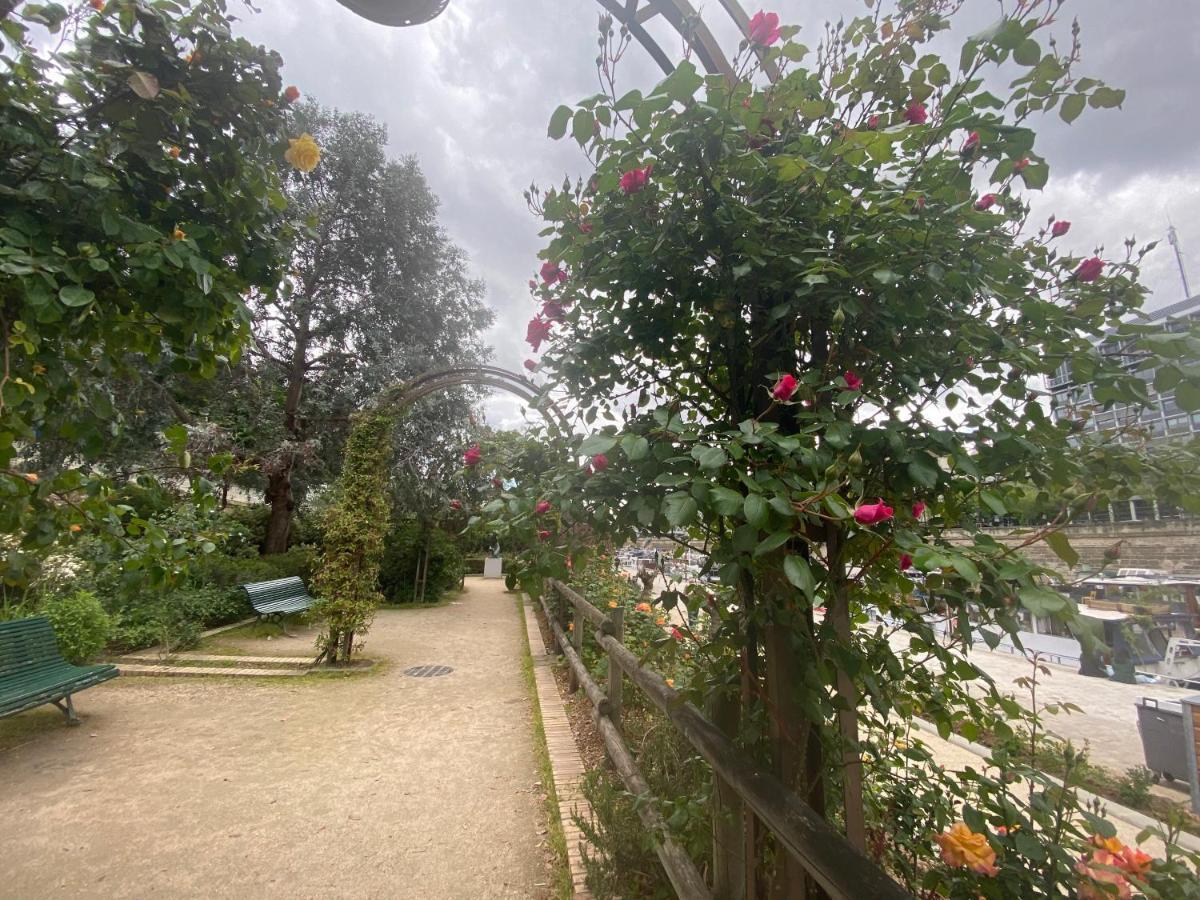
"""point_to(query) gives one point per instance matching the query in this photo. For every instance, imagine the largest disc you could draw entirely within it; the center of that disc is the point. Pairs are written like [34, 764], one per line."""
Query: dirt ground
[370, 785]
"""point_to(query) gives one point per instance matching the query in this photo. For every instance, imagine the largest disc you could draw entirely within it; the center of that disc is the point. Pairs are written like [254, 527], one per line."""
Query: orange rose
[1101, 870]
[643, 607]
[612, 604]
[76, 528]
[967, 849]
[292, 94]
[31, 477]
[173, 153]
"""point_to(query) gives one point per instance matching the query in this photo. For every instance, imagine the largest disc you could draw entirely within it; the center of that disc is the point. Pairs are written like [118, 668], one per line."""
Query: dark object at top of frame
[397, 13]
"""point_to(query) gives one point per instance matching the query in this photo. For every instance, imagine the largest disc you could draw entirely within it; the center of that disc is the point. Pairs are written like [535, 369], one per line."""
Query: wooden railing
[829, 859]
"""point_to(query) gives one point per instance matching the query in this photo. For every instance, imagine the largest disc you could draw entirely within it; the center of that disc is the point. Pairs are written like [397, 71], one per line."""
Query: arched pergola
[408, 392]
[632, 14]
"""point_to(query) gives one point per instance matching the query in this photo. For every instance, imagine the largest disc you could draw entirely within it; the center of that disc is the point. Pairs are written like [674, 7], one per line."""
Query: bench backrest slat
[25, 643]
[279, 589]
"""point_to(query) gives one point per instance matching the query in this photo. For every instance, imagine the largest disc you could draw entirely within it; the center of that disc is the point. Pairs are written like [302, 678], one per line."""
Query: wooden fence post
[730, 837]
[578, 622]
[615, 676]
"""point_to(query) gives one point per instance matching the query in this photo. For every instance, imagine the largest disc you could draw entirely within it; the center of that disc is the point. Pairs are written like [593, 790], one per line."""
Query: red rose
[918, 509]
[905, 562]
[873, 123]
[1090, 269]
[986, 202]
[552, 311]
[969, 144]
[853, 382]
[456, 504]
[1020, 165]
[532, 284]
[472, 456]
[764, 28]
[784, 388]
[599, 462]
[552, 273]
[292, 94]
[873, 513]
[542, 507]
[530, 365]
[916, 113]
[537, 331]
[543, 535]
[497, 483]
[676, 633]
[585, 227]
[1061, 227]
[634, 180]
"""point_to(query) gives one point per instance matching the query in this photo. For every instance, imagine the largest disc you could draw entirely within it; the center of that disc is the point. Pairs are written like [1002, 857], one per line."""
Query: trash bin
[1163, 742]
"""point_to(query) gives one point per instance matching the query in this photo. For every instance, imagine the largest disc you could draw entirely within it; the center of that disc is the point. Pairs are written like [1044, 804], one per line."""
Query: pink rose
[1020, 165]
[764, 28]
[905, 562]
[986, 202]
[969, 144]
[472, 456]
[542, 507]
[456, 504]
[916, 113]
[1061, 227]
[676, 633]
[552, 310]
[599, 462]
[853, 382]
[496, 483]
[585, 227]
[873, 123]
[873, 513]
[784, 388]
[551, 273]
[537, 331]
[543, 535]
[1090, 269]
[531, 365]
[918, 509]
[532, 284]
[634, 180]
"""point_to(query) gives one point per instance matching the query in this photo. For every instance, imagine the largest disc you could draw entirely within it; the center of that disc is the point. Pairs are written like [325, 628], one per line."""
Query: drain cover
[427, 671]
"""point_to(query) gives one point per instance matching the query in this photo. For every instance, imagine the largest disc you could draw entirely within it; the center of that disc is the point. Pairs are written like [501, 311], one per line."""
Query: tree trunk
[279, 483]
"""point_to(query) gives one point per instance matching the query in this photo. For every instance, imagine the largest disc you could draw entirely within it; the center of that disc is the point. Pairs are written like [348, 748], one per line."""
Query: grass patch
[558, 840]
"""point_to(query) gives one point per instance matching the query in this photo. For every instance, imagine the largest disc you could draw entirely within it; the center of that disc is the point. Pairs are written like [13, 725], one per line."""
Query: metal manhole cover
[427, 671]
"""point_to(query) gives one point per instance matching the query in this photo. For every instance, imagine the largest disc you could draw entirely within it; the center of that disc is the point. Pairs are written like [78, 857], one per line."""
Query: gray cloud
[471, 92]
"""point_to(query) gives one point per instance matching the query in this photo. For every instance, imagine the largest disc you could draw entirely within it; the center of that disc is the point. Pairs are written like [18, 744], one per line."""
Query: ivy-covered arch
[347, 580]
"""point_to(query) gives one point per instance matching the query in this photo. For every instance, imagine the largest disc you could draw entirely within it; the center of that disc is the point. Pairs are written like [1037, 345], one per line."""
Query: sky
[470, 94]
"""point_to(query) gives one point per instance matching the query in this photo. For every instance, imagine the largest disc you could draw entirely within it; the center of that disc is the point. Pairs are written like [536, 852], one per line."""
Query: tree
[375, 293]
[819, 314]
[139, 195]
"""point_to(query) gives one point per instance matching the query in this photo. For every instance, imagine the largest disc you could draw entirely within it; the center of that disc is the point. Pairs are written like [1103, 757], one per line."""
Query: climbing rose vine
[860, 226]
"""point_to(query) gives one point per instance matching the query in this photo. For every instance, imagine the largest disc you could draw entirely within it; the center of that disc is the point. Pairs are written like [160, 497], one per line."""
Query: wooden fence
[843, 872]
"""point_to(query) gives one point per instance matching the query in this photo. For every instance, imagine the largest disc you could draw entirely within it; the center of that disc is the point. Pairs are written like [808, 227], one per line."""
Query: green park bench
[278, 598]
[33, 672]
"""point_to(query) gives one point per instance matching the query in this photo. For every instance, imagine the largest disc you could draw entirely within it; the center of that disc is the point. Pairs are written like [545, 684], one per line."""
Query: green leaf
[583, 126]
[797, 570]
[756, 510]
[1035, 175]
[994, 503]
[1187, 395]
[923, 473]
[1072, 107]
[773, 541]
[635, 447]
[680, 509]
[1041, 601]
[726, 502]
[75, 295]
[1028, 53]
[682, 84]
[558, 122]
[628, 101]
[709, 457]
[965, 568]
[1062, 548]
[597, 443]
[144, 85]
[1106, 98]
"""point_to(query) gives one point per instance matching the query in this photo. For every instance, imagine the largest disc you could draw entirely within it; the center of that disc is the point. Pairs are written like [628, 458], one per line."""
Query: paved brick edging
[564, 755]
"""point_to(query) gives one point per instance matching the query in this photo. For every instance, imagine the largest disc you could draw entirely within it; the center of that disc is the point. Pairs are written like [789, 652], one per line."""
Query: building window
[1143, 510]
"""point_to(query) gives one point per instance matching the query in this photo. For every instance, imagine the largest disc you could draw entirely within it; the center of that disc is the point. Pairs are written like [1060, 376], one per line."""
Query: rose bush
[829, 224]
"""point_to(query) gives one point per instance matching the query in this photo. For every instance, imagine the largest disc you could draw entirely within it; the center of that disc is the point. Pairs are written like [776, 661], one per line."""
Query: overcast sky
[471, 92]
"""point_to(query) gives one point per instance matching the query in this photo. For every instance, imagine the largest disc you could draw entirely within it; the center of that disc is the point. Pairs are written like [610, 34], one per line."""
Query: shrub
[80, 624]
[1134, 787]
[399, 567]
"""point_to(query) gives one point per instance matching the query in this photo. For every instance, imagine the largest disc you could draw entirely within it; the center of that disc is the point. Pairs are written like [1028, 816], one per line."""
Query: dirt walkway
[377, 785]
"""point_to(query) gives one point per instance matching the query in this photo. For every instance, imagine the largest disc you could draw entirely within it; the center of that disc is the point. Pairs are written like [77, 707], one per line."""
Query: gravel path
[376, 785]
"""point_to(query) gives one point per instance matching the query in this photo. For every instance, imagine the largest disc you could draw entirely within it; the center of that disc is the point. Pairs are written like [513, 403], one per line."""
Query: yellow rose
[965, 848]
[179, 234]
[303, 152]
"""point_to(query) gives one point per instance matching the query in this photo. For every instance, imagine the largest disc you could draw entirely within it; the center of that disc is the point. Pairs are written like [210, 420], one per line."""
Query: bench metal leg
[67, 708]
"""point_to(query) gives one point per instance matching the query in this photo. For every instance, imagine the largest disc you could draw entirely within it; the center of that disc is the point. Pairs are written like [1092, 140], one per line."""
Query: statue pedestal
[493, 567]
